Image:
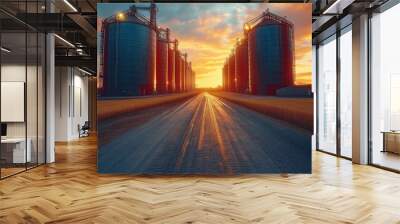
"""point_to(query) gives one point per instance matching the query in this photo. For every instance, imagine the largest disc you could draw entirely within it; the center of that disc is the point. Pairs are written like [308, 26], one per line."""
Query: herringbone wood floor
[70, 191]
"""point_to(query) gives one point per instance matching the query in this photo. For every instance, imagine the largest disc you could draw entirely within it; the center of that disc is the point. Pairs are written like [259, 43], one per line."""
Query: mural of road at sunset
[204, 88]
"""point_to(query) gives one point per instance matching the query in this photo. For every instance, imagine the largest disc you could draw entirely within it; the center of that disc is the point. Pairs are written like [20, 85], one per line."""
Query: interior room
[22, 102]
[48, 151]
[29, 60]
[72, 104]
[385, 87]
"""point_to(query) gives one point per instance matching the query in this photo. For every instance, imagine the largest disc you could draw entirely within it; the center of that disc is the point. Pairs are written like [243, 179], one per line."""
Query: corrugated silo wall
[193, 80]
[103, 90]
[188, 78]
[162, 66]
[177, 71]
[288, 54]
[231, 73]
[129, 59]
[225, 76]
[269, 68]
[171, 70]
[184, 63]
[242, 67]
[182, 74]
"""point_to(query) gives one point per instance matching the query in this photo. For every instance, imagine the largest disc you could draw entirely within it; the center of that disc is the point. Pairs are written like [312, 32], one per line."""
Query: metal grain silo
[129, 53]
[242, 66]
[182, 66]
[191, 76]
[162, 60]
[184, 71]
[178, 70]
[225, 76]
[187, 80]
[193, 80]
[271, 53]
[188, 77]
[231, 73]
[171, 68]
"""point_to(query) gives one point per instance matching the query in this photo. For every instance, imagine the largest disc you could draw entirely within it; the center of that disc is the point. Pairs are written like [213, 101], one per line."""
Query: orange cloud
[209, 37]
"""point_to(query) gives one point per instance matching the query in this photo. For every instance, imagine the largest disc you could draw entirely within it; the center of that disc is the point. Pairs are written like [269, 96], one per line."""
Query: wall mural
[204, 88]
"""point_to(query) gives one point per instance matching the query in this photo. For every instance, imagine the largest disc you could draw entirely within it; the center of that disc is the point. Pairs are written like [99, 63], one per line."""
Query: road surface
[202, 135]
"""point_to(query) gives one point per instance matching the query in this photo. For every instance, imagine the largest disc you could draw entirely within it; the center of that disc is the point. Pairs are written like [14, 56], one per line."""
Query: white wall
[81, 102]
[71, 102]
[16, 73]
[62, 82]
[33, 127]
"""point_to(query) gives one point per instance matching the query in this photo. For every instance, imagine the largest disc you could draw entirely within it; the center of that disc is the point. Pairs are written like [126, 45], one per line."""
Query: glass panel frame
[345, 93]
[384, 71]
[326, 100]
[14, 144]
[27, 59]
[339, 57]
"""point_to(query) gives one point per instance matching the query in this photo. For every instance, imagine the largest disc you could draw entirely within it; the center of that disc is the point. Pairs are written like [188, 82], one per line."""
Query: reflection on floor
[12, 169]
[387, 159]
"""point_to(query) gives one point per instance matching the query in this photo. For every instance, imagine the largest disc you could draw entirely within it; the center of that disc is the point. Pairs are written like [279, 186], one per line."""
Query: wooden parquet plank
[70, 191]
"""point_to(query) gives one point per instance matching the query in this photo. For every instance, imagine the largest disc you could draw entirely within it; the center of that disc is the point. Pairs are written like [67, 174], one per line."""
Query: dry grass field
[112, 107]
[298, 111]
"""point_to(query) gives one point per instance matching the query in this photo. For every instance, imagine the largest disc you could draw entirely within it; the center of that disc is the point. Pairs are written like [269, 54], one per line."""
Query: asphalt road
[202, 135]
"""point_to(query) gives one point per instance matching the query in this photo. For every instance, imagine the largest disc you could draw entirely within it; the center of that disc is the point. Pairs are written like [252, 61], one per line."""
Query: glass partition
[385, 89]
[14, 153]
[41, 97]
[345, 92]
[22, 91]
[326, 101]
[31, 97]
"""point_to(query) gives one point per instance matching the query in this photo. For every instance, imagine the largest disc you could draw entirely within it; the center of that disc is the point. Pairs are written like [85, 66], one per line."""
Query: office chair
[84, 130]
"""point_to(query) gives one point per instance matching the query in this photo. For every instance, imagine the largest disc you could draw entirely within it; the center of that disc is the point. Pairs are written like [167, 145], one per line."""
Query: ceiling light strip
[70, 5]
[5, 50]
[64, 40]
[84, 71]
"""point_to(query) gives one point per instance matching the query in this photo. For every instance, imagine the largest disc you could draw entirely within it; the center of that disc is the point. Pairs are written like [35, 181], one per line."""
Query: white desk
[391, 141]
[19, 153]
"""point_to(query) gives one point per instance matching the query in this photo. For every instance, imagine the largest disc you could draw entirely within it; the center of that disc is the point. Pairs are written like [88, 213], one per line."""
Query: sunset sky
[208, 32]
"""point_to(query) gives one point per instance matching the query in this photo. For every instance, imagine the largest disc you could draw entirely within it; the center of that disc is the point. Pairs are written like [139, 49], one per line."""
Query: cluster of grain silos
[263, 60]
[139, 58]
